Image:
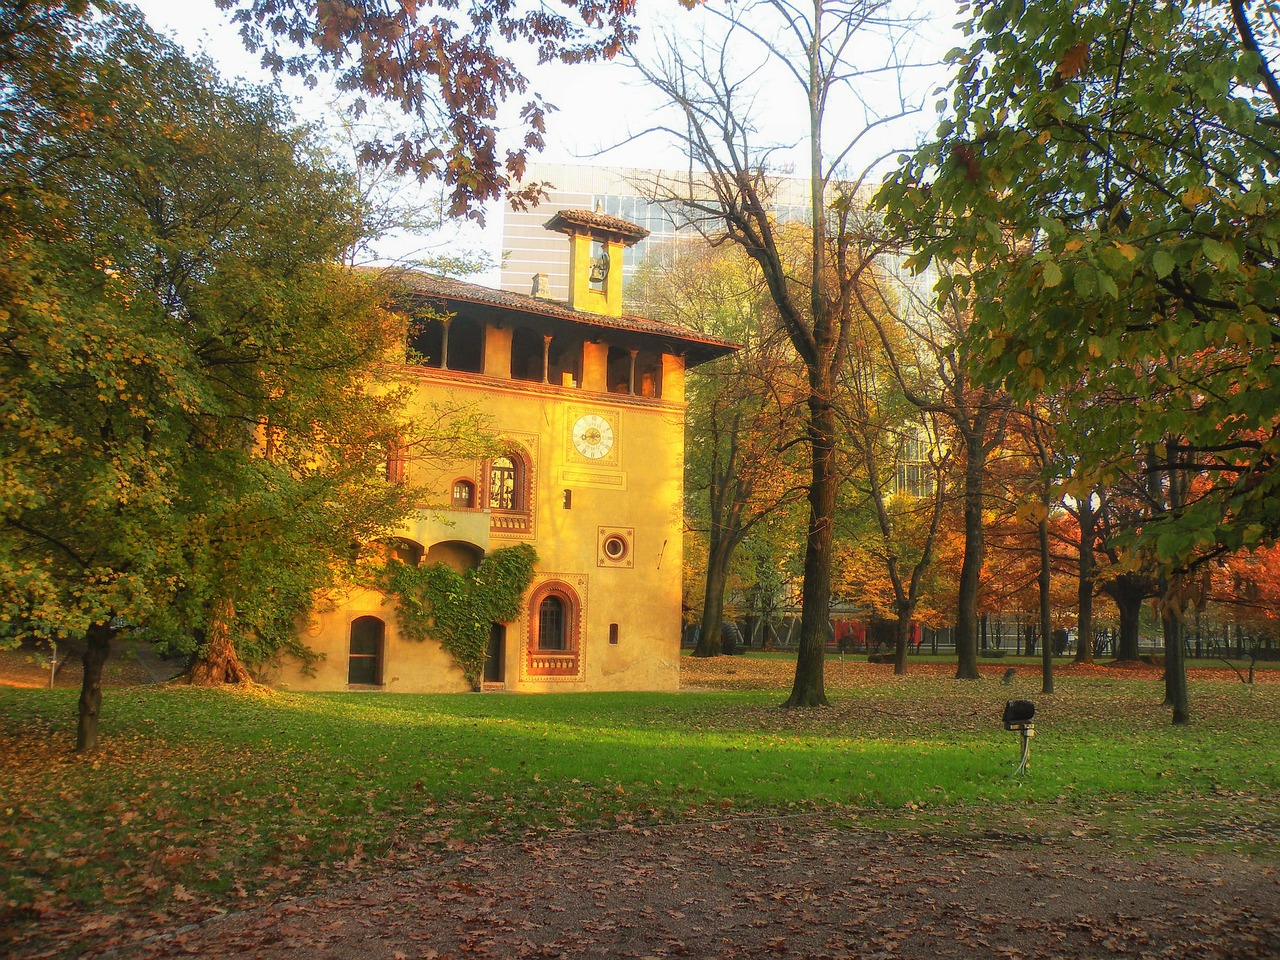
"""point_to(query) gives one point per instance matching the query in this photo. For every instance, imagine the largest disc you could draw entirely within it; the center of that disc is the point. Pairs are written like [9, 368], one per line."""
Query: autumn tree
[1034, 472]
[805, 52]
[931, 360]
[189, 370]
[1106, 172]
[1243, 599]
[450, 68]
[744, 417]
[901, 465]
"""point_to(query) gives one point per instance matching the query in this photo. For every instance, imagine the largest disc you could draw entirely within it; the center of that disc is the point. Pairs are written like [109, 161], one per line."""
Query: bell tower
[596, 242]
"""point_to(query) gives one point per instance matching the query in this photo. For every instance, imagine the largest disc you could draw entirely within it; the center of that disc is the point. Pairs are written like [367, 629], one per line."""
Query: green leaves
[187, 369]
[459, 609]
[1139, 231]
[1050, 274]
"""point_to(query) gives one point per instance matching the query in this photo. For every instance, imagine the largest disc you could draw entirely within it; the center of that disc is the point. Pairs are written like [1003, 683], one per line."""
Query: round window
[615, 547]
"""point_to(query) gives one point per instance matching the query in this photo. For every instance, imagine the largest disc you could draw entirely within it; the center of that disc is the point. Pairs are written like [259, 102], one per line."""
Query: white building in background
[528, 249]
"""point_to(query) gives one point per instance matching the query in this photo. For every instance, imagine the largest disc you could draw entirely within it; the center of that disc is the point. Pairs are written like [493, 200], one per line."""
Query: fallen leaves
[218, 825]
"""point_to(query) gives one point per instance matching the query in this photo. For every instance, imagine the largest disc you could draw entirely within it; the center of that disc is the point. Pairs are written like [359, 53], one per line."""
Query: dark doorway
[365, 666]
[494, 671]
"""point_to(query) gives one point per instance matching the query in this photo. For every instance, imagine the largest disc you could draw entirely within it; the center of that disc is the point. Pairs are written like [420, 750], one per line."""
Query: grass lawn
[200, 800]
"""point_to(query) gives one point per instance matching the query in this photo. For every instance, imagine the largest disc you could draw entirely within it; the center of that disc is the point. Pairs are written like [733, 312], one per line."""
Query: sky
[600, 106]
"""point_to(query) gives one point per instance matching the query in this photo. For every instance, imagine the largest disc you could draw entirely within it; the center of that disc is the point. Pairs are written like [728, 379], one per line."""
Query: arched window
[365, 663]
[551, 622]
[554, 615]
[464, 495]
[509, 493]
[504, 484]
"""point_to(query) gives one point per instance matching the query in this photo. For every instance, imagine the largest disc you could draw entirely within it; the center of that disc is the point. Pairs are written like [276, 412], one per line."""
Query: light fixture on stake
[1017, 716]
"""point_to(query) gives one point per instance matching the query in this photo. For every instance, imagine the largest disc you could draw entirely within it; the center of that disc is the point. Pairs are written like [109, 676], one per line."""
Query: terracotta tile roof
[573, 221]
[699, 347]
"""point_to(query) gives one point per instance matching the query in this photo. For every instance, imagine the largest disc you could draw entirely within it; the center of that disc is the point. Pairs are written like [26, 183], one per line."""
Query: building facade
[587, 408]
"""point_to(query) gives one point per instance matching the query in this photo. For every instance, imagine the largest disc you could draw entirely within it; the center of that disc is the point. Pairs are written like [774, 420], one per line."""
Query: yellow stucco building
[588, 407]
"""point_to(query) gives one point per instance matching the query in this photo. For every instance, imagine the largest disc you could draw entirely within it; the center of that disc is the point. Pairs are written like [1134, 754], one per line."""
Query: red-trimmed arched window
[506, 482]
[509, 493]
[555, 615]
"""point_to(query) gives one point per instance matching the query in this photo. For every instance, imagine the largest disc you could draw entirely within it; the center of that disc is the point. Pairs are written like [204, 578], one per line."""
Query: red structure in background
[867, 636]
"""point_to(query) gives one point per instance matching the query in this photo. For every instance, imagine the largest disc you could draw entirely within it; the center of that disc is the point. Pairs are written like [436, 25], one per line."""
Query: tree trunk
[1129, 603]
[902, 640]
[1173, 608]
[1084, 595]
[1175, 669]
[1175, 664]
[815, 603]
[971, 566]
[217, 661]
[97, 645]
[713, 603]
[1046, 625]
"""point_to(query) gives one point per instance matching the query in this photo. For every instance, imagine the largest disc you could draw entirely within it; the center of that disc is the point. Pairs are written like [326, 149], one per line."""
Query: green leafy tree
[1106, 177]
[189, 435]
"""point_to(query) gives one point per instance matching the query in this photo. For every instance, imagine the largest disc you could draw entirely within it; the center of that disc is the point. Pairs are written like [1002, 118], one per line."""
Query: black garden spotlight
[1017, 716]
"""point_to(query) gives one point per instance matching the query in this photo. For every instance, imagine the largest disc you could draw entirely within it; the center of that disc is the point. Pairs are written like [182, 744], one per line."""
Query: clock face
[592, 436]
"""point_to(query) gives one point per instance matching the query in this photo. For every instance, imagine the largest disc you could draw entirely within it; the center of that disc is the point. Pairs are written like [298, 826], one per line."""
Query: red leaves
[1073, 62]
[449, 72]
[964, 155]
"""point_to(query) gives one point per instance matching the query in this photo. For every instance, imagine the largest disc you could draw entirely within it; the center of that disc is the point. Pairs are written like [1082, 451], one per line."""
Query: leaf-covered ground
[761, 672]
[782, 887]
[1188, 868]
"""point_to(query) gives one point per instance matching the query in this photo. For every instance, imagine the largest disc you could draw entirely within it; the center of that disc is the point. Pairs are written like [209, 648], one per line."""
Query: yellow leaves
[1035, 376]
[1237, 334]
[1031, 511]
[1195, 197]
[1254, 314]
[1127, 250]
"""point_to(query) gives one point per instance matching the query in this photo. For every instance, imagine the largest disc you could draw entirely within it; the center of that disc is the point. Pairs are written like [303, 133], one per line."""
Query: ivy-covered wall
[459, 609]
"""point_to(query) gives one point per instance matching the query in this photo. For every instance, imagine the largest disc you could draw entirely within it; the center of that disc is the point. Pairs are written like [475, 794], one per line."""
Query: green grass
[212, 797]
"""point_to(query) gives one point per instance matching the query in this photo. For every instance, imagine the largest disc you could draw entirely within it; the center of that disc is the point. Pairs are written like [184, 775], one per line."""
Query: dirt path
[786, 888]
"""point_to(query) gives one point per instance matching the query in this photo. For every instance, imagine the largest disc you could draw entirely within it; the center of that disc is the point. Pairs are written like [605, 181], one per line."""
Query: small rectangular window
[613, 633]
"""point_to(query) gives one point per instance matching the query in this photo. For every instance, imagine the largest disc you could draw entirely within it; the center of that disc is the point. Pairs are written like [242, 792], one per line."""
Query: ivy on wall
[459, 609]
